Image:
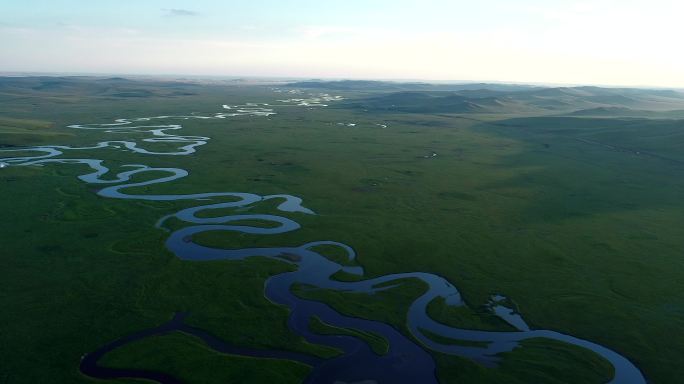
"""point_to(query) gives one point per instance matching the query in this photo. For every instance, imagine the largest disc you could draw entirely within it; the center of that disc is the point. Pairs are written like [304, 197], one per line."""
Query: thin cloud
[179, 12]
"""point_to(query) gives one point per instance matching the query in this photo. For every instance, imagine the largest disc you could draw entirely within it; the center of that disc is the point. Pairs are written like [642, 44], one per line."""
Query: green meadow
[579, 221]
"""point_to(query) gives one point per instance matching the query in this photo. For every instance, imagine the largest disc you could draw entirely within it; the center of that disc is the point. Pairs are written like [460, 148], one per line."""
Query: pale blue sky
[627, 42]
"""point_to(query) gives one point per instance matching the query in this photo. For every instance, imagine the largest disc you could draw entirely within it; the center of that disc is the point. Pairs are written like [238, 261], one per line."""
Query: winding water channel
[407, 360]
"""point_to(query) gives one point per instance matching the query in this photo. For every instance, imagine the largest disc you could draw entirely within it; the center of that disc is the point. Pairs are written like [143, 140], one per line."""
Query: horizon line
[5, 73]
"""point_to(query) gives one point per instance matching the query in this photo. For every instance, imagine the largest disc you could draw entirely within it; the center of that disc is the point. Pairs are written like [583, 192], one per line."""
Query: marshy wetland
[335, 258]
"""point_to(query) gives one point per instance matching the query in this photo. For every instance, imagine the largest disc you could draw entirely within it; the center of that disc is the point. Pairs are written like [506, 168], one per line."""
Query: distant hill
[419, 102]
[597, 97]
[114, 87]
[371, 85]
[408, 97]
[627, 112]
[505, 98]
[607, 111]
[568, 101]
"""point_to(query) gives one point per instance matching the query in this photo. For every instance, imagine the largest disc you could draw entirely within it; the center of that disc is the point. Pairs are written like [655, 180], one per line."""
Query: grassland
[579, 221]
[188, 359]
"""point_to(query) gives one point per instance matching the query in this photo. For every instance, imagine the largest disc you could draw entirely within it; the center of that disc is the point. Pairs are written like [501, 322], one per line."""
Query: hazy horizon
[286, 79]
[604, 43]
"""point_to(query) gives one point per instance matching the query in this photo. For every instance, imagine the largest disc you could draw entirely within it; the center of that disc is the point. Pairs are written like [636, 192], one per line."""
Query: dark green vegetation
[376, 342]
[482, 318]
[538, 361]
[191, 359]
[577, 219]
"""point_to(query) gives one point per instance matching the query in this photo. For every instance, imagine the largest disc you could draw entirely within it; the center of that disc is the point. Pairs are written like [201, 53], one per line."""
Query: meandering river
[408, 359]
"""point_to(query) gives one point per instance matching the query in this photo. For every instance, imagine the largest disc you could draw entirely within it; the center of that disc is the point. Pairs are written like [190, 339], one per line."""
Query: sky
[602, 42]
